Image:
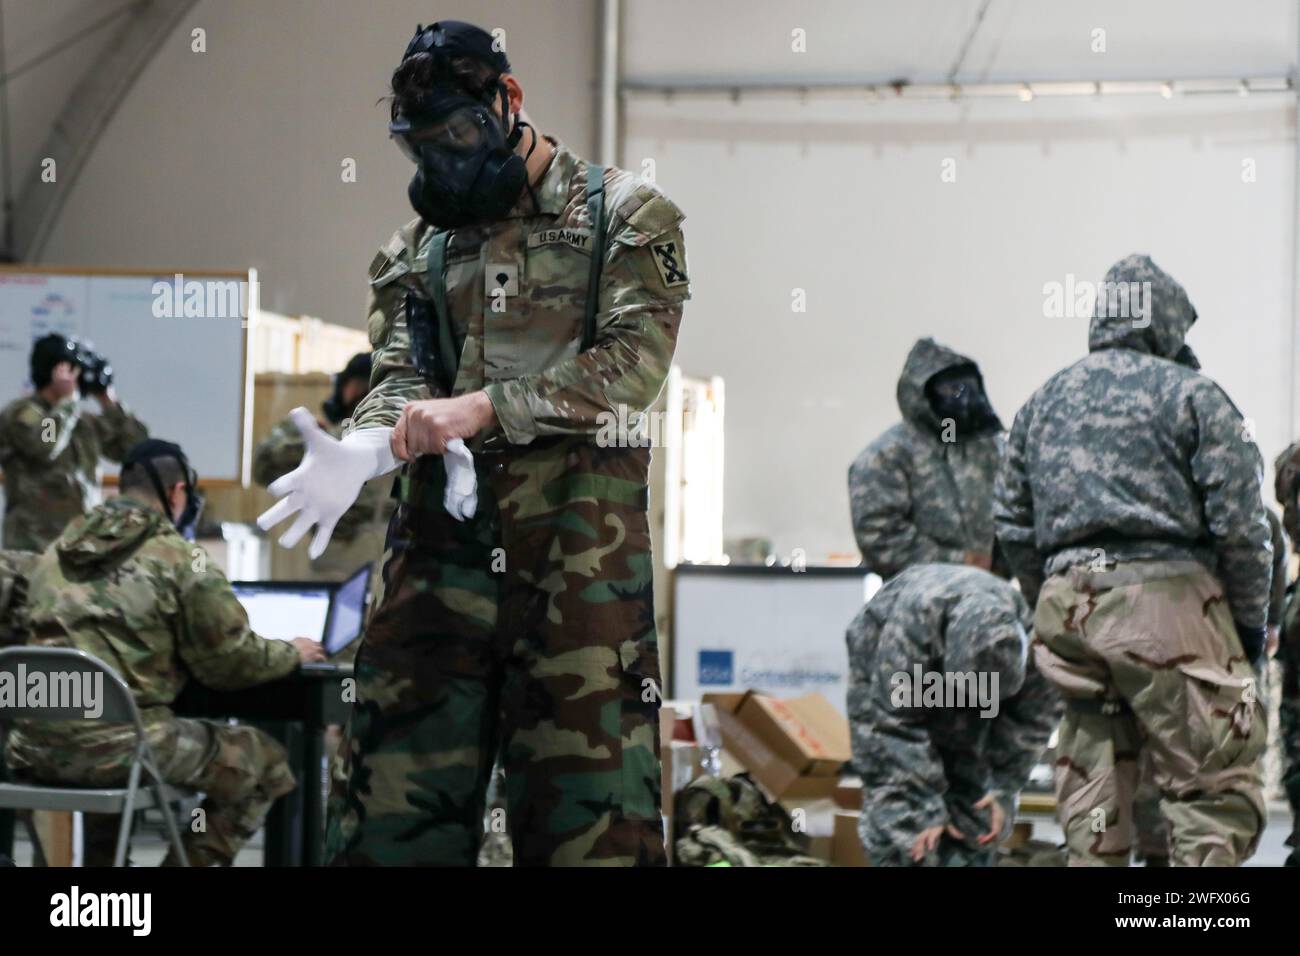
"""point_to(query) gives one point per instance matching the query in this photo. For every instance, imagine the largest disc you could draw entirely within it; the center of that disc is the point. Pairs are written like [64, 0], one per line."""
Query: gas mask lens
[462, 131]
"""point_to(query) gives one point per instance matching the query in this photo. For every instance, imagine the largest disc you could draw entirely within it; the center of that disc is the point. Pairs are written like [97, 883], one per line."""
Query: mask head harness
[467, 168]
[143, 455]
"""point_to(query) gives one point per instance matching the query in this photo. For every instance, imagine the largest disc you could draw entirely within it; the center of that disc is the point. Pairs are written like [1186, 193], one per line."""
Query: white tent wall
[239, 150]
[844, 198]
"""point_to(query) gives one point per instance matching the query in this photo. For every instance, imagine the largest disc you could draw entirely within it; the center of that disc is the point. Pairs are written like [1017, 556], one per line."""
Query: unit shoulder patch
[670, 261]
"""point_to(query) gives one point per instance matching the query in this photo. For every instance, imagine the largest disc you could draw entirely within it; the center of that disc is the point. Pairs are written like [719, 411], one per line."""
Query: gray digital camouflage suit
[1129, 506]
[923, 766]
[916, 497]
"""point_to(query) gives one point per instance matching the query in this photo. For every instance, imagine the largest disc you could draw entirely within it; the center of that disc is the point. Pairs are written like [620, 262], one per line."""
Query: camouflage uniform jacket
[281, 451]
[523, 348]
[916, 498]
[15, 566]
[552, 401]
[923, 766]
[1129, 455]
[122, 584]
[50, 458]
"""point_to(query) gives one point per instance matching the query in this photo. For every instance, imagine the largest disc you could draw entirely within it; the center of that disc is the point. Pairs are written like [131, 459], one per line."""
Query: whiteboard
[185, 377]
[773, 630]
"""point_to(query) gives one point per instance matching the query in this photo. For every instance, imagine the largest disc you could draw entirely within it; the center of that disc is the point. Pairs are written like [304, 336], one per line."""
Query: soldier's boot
[242, 771]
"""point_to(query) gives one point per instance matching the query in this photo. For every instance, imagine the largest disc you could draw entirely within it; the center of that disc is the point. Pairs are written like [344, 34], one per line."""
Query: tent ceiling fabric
[919, 40]
[68, 66]
[847, 41]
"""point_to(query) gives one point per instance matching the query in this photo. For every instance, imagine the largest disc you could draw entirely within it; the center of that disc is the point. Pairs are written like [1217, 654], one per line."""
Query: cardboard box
[780, 778]
[846, 846]
[823, 848]
[806, 732]
[848, 795]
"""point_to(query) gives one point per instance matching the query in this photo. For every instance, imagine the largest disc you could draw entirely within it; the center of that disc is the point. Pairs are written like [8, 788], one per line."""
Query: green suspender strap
[596, 210]
[447, 355]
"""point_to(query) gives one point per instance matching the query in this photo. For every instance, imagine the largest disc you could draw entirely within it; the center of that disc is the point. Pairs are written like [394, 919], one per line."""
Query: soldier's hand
[427, 425]
[107, 398]
[927, 840]
[309, 651]
[979, 559]
[997, 817]
[1270, 645]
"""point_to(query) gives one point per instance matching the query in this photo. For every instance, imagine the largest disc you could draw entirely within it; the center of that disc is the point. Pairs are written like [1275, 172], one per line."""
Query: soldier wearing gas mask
[923, 491]
[50, 449]
[359, 535]
[534, 293]
[126, 583]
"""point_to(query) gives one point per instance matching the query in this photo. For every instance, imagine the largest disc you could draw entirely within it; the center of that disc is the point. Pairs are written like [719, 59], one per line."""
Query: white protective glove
[461, 497]
[327, 482]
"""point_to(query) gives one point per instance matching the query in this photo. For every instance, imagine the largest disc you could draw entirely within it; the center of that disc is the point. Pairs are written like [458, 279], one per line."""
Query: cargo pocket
[1225, 722]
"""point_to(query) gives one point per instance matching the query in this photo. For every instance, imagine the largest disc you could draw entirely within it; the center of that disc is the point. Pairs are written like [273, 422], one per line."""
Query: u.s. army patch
[577, 238]
[667, 260]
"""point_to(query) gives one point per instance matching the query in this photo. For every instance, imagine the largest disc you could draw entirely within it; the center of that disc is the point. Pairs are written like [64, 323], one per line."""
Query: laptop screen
[349, 612]
[282, 613]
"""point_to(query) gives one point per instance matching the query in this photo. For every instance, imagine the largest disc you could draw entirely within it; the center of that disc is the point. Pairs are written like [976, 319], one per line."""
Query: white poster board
[177, 347]
[769, 629]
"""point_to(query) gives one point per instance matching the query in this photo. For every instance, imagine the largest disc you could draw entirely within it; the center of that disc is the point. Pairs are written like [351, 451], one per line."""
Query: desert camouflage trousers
[1148, 659]
[526, 632]
[240, 770]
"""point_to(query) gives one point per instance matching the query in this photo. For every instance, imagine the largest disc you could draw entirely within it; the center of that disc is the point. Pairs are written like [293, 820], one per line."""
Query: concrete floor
[150, 846]
[1272, 850]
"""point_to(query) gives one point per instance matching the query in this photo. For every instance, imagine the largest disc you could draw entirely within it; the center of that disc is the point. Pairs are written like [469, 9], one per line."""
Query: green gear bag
[717, 820]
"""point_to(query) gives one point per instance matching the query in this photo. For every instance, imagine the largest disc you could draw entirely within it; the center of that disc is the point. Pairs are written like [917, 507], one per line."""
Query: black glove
[1253, 642]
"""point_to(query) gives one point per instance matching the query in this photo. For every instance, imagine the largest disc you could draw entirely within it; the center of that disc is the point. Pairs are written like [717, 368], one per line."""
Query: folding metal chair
[118, 706]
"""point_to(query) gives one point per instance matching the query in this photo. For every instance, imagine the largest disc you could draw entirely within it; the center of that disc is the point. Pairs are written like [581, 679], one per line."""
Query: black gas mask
[467, 169]
[143, 455]
[96, 372]
[957, 394]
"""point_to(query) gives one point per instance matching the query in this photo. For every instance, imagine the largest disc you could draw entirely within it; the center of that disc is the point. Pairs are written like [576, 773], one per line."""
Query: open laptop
[332, 614]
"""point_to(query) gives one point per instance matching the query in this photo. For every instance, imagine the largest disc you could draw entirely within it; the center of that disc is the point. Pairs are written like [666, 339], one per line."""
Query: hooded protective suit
[915, 496]
[1128, 454]
[927, 765]
[1129, 506]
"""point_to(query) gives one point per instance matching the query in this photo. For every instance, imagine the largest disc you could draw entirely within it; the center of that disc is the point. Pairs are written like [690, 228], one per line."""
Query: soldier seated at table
[123, 583]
